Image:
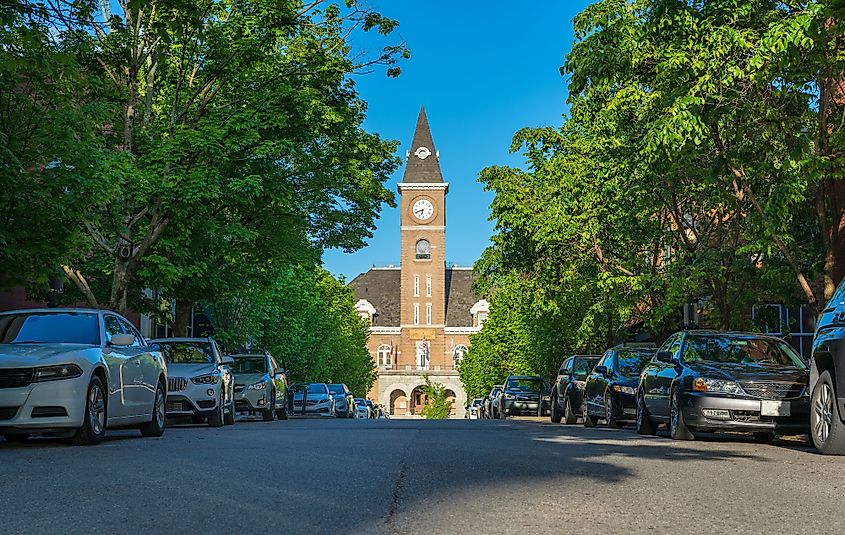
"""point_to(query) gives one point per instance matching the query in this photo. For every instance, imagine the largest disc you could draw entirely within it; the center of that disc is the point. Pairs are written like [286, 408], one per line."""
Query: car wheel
[282, 414]
[554, 413]
[645, 425]
[229, 417]
[155, 427]
[608, 411]
[268, 415]
[569, 416]
[826, 427]
[763, 437]
[503, 415]
[678, 429]
[216, 419]
[589, 420]
[94, 424]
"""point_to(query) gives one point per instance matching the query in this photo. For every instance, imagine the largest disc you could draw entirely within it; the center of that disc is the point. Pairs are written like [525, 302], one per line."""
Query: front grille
[16, 377]
[7, 413]
[746, 416]
[771, 390]
[175, 384]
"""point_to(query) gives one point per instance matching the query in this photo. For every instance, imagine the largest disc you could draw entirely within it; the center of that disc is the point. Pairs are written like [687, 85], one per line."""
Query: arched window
[385, 355]
[423, 250]
[458, 354]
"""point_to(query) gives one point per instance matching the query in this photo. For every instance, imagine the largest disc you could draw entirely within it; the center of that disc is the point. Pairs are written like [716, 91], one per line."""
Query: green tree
[437, 406]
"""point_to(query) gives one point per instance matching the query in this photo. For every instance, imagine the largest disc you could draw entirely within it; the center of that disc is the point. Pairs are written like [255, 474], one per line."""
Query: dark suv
[524, 394]
[568, 389]
[827, 377]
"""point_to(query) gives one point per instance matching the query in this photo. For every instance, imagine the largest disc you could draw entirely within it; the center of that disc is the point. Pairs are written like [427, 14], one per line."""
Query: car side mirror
[227, 361]
[122, 340]
[665, 356]
[601, 370]
[278, 375]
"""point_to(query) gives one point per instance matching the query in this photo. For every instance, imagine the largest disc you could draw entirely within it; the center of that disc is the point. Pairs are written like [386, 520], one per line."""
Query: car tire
[93, 428]
[229, 417]
[763, 437]
[269, 415]
[608, 408]
[216, 418]
[503, 415]
[282, 414]
[678, 429]
[569, 416]
[554, 414]
[645, 425]
[155, 427]
[589, 420]
[826, 427]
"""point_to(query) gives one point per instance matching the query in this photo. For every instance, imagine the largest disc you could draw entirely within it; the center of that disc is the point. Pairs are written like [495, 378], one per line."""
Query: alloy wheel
[823, 407]
[96, 409]
[674, 413]
[159, 408]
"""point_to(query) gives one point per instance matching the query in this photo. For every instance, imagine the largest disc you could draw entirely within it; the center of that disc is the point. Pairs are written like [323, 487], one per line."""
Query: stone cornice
[423, 186]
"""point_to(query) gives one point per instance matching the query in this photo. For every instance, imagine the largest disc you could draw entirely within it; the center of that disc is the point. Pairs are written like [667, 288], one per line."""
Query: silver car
[260, 386]
[200, 383]
[313, 398]
[70, 372]
[344, 400]
[362, 410]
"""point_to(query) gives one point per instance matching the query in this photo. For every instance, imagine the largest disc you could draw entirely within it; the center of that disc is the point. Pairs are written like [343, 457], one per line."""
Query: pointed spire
[423, 163]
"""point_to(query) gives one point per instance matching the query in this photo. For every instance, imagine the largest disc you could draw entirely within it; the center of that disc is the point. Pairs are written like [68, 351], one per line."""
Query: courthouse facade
[422, 312]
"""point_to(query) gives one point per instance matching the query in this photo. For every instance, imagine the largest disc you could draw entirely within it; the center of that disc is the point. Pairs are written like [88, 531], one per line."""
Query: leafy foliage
[437, 406]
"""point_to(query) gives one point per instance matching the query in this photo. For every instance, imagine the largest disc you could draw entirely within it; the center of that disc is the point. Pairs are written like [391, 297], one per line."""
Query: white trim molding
[423, 186]
[480, 306]
[365, 306]
[385, 330]
[461, 330]
[423, 227]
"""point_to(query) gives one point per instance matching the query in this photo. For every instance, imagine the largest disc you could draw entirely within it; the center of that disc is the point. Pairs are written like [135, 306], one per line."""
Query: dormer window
[423, 250]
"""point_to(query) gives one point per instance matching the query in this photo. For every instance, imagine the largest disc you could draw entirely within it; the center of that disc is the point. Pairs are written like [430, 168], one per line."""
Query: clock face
[423, 209]
[422, 153]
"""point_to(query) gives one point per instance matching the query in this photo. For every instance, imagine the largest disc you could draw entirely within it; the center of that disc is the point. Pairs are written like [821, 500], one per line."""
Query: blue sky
[483, 70]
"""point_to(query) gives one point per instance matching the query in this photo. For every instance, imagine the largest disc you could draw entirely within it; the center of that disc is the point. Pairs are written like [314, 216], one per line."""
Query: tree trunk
[184, 311]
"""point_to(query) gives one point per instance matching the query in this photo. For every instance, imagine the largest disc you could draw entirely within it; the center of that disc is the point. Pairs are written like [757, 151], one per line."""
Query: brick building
[422, 312]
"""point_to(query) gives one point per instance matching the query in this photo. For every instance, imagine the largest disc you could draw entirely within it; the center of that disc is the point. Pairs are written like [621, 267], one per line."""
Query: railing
[416, 368]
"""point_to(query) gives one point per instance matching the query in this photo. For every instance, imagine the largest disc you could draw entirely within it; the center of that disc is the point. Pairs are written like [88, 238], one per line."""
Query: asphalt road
[414, 476]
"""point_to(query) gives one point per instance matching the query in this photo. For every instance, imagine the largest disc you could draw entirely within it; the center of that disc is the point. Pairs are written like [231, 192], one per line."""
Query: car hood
[189, 370]
[29, 355]
[748, 372]
[250, 378]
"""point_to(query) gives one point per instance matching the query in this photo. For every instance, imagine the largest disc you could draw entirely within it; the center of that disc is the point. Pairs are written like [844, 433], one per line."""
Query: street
[417, 476]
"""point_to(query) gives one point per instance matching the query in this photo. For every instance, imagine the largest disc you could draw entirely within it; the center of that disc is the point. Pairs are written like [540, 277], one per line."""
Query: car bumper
[252, 400]
[745, 414]
[193, 400]
[44, 406]
[624, 407]
[322, 408]
[527, 407]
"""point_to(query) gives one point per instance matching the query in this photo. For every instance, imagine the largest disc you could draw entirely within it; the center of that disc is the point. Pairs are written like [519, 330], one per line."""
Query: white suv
[199, 381]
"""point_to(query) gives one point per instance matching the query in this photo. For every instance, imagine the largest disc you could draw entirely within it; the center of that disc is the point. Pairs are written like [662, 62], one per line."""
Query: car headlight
[547, 398]
[210, 379]
[258, 386]
[55, 373]
[509, 396]
[628, 389]
[716, 385]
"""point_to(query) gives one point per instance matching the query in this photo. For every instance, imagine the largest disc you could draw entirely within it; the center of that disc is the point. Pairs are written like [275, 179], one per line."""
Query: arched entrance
[450, 397]
[398, 403]
[418, 400]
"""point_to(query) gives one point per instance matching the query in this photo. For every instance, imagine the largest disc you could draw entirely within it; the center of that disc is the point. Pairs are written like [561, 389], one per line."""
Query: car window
[526, 385]
[187, 352]
[734, 349]
[50, 328]
[317, 388]
[128, 328]
[672, 345]
[630, 362]
[583, 366]
[249, 365]
[112, 326]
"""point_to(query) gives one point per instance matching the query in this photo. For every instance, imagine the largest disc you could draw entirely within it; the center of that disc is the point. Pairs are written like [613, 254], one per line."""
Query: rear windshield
[249, 365]
[583, 366]
[526, 385]
[632, 361]
[50, 328]
[187, 352]
[740, 350]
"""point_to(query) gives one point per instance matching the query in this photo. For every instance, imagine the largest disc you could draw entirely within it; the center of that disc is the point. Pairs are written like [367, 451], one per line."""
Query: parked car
[610, 391]
[362, 410]
[74, 373]
[709, 380]
[524, 394]
[380, 413]
[374, 409]
[568, 389]
[492, 402]
[260, 386]
[473, 410]
[200, 382]
[313, 398]
[344, 401]
[482, 409]
[827, 377]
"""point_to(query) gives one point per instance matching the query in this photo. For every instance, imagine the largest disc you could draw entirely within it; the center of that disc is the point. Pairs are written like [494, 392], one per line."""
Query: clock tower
[423, 284]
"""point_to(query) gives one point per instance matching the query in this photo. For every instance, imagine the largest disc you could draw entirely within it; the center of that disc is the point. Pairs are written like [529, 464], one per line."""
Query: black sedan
[524, 394]
[708, 381]
[568, 389]
[610, 390]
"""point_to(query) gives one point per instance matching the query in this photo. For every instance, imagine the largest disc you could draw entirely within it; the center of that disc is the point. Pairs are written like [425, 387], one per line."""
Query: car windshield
[582, 366]
[187, 352]
[249, 365]
[316, 388]
[336, 389]
[526, 385]
[50, 328]
[632, 361]
[758, 351]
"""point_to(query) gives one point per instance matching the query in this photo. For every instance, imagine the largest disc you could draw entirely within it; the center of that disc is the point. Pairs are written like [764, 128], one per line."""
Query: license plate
[775, 408]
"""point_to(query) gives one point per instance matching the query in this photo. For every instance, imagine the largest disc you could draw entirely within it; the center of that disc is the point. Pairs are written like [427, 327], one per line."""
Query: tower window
[428, 285]
[416, 313]
[416, 285]
[423, 250]
[428, 314]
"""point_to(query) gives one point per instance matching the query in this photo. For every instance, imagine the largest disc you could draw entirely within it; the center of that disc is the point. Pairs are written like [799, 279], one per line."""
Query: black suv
[524, 394]
[568, 389]
[827, 377]
[611, 390]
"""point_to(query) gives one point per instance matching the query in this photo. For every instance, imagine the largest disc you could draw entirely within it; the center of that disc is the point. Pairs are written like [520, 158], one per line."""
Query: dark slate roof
[459, 297]
[422, 170]
[381, 287]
